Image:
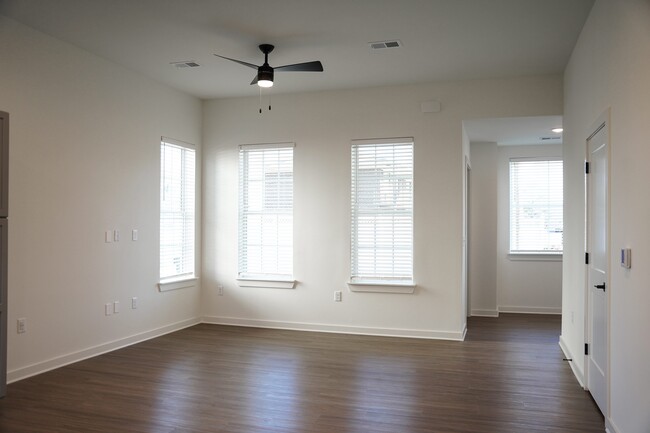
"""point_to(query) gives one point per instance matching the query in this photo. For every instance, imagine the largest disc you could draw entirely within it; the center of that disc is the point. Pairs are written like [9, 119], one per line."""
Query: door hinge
[587, 168]
[586, 349]
[586, 258]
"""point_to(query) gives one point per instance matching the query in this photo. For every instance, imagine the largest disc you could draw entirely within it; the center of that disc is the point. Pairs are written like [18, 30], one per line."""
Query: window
[266, 212]
[382, 212]
[536, 223]
[177, 210]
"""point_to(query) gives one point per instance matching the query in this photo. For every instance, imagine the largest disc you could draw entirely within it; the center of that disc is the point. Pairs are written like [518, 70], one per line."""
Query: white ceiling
[442, 39]
[514, 130]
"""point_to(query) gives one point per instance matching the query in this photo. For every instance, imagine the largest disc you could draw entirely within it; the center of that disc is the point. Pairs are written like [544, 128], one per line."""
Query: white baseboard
[610, 427]
[485, 313]
[577, 372]
[338, 329]
[60, 361]
[529, 310]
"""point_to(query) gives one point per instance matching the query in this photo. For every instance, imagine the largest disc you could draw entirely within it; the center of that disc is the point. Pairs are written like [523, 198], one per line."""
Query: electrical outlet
[21, 325]
[134, 234]
[134, 303]
[108, 309]
[116, 307]
[116, 235]
[338, 296]
[220, 289]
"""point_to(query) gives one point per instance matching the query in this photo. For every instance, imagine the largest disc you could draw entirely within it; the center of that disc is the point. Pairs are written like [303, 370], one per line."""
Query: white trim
[464, 333]
[579, 374]
[266, 146]
[382, 286]
[536, 257]
[485, 313]
[396, 140]
[610, 427]
[166, 286]
[337, 329]
[536, 158]
[529, 310]
[269, 284]
[177, 143]
[70, 358]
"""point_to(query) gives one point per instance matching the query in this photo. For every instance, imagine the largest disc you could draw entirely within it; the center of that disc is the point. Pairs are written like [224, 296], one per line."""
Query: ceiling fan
[264, 77]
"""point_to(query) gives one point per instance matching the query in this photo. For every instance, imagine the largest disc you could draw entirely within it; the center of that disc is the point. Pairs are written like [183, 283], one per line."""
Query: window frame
[380, 283]
[521, 254]
[188, 278]
[263, 280]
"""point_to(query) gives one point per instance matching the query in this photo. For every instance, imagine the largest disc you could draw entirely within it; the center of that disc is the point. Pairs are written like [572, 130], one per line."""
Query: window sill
[373, 286]
[167, 285]
[266, 283]
[535, 257]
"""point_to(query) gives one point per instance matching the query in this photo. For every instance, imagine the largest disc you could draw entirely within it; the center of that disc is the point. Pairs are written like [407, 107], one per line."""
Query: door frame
[467, 307]
[604, 120]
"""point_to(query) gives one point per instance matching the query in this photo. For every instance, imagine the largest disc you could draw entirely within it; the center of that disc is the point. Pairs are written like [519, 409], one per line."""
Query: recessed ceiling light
[557, 130]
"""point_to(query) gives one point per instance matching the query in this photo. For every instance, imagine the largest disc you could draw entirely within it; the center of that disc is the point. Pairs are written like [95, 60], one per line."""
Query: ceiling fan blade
[250, 65]
[302, 67]
[254, 80]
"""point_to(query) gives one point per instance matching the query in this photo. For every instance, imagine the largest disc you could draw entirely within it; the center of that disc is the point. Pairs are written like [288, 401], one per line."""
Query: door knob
[600, 286]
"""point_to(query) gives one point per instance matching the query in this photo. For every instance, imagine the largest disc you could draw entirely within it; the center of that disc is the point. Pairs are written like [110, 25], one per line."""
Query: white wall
[609, 68]
[498, 283]
[322, 125]
[483, 230]
[532, 286]
[84, 158]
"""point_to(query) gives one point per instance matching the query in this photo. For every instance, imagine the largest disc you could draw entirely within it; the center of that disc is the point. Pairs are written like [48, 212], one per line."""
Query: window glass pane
[177, 209]
[536, 206]
[382, 211]
[266, 212]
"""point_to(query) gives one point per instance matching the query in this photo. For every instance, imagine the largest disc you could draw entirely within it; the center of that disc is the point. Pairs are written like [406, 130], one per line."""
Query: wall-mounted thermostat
[626, 258]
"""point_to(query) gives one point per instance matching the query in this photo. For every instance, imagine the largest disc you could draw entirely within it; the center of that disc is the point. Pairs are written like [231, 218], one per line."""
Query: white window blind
[177, 209]
[382, 210]
[536, 200]
[266, 212]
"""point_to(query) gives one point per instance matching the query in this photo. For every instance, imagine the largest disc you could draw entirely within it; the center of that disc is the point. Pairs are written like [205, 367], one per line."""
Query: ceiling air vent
[550, 138]
[381, 45]
[185, 64]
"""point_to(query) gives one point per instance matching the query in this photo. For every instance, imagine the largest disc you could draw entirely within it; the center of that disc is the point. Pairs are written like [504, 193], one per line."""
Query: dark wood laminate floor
[508, 376]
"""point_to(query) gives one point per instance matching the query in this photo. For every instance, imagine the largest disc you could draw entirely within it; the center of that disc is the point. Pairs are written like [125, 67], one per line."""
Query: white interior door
[597, 246]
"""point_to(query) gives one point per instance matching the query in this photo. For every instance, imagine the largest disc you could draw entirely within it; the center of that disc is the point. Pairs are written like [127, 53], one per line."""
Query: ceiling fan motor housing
[265, 72]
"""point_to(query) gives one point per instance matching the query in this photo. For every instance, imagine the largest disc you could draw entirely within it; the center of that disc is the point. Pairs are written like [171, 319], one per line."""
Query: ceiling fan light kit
[264, 77]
